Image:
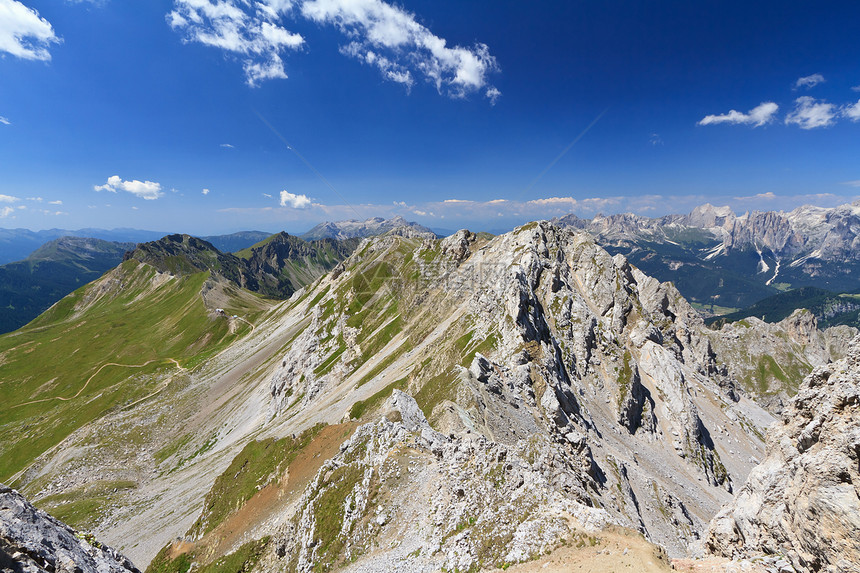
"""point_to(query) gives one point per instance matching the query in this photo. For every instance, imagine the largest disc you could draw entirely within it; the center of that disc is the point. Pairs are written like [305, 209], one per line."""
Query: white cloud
[5, 121]
[295, 201]
[809, 81]
[5, 212]
[148, 190]
[23, 33]
[8, 199]
[769, 196]
[757, 116]
[390, 70]
[855, 89]
[855, 183]
[228, 146]
[267, 195]
[379, 34]
[57, 202]
[655, 140]
[35, 199]
[852, 111]
[246, 28]
[205, 191]
[811, 114]
[391, 39]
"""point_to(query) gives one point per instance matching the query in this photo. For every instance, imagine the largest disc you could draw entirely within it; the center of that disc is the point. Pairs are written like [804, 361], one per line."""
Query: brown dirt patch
[614, 550]
[272, 500]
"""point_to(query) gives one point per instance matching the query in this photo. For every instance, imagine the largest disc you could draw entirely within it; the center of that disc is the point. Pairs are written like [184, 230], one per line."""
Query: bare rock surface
[415, 500]
[803, 501]
[31, 541]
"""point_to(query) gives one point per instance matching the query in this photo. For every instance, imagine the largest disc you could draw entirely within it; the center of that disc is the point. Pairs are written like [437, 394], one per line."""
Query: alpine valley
[401, 402]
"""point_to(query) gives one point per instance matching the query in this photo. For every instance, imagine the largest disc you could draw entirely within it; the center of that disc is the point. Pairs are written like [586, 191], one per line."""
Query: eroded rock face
[31, 541]
[804, 499]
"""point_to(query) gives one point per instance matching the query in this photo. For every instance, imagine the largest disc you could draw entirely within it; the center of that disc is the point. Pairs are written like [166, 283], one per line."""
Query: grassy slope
[132, 324]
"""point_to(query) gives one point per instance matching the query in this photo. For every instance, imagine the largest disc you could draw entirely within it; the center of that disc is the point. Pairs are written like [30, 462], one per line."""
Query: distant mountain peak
[354, 228]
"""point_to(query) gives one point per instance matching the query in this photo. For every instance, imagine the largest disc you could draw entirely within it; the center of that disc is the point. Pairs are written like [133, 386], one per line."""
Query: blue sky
[210, 116]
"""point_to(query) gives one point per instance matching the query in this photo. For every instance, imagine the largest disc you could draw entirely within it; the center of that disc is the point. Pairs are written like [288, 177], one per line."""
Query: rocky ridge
[31, 541]
[803, 501]
[569, 343]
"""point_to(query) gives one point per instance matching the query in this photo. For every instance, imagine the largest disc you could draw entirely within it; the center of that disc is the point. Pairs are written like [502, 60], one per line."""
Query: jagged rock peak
[708, 215]
[803, 501]
[31, 541]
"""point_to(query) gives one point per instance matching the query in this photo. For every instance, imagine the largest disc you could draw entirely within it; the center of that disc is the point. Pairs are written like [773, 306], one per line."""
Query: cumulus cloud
[379, 35]
[57, 202]
[852, 111]
[248, 29]
[757, 116]
[148, 190]
[205, 191]
[5, 121]
[8, 199]
[5, 212]
[295, 201]
[391, 39]
[809, 81]
[23, 33]
[811, 114]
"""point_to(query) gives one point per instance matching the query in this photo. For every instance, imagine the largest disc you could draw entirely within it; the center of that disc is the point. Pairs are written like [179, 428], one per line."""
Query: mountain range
[725, 262]
[29, 287]
[422, 404]
[58, 267]
[358, 229]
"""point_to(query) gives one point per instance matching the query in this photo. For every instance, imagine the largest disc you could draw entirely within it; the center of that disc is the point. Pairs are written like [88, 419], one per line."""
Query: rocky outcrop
[803, 501]
[31, 541]
[403, 497]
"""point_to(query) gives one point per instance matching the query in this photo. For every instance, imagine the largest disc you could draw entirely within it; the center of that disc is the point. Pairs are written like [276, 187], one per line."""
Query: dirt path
[96, 373]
